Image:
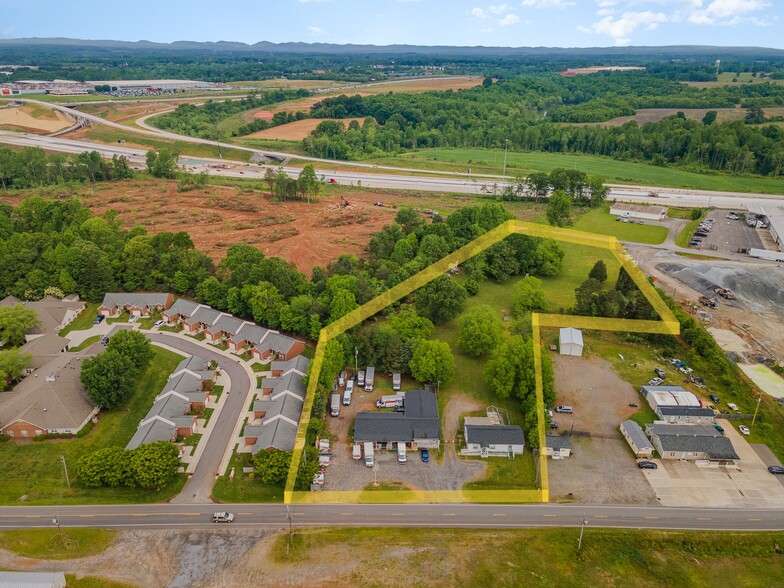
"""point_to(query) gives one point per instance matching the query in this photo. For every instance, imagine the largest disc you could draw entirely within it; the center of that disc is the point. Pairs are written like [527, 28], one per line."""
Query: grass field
[726, 79]
[71, 581]
[84, 321]
[294, 147]
[536, 557]
[599, 220]
[38, 471]
[491, 161]
[86, 343]
[57, 544]
[682, 239]
[242, 488]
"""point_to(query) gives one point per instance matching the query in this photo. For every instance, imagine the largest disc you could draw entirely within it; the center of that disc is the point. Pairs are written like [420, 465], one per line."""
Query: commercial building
[151, 84]
[669, 396]
[640, 444]
[417, 427]
[557, 446]
[570, 342]
[653, 213]
[685, 415]
[700, 443]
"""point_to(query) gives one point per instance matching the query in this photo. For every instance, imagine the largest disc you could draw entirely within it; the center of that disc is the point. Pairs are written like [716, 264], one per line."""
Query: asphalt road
[166, 516]
[199, 486]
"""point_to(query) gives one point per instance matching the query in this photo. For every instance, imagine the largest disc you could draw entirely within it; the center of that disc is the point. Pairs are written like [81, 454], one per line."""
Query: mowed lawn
[615, 171]
[599, 220]
[33, 468]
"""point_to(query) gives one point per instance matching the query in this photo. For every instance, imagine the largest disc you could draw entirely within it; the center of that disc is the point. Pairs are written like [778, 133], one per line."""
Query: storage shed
[570, 342]
[636, 439]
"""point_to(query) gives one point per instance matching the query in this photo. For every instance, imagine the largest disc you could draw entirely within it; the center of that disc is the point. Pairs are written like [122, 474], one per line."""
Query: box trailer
[361, 379]
[390, 400]
[356, 451]
[370, 375]
[396, 381]
[369, 458]
[348, 392]
[334, 407]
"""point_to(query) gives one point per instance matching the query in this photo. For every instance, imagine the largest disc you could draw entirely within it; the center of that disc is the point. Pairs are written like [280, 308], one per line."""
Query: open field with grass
[93, 582]
[646, 115]
[732, 79]
[83, 321]
[56, 544]
[683, 238]
[38, 472]
[536, 557]
[491, 161]
[599, 220]
[242, 488]
[85, 344]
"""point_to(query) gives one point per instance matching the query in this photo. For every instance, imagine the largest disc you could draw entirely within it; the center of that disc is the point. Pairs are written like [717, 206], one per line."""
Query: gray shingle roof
[684, 411]
[637, 436]
[44, 349]
[557, 442]
[694, 439]
[487, 435]
[150, 432]
[291, 382]
[182, 307]
[299, 364]
[140, 299]
[51, 311]
[278, 434]
[226, 323]
[418, 421]
[204, 314]
[285, 406]
[251, 333]
[276, 342]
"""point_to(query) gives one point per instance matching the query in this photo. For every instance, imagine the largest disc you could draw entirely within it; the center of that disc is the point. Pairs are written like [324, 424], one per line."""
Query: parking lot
[601, 469]
[684, 483]
[727, 236]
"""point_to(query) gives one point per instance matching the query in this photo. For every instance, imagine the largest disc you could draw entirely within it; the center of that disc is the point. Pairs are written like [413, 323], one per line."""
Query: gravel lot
[601, 469]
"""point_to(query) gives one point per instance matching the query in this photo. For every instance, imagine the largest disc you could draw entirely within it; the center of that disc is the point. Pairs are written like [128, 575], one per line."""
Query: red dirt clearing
[297, 130]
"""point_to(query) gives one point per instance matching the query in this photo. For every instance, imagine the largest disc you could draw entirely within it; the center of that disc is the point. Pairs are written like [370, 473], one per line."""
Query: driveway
[199, 486]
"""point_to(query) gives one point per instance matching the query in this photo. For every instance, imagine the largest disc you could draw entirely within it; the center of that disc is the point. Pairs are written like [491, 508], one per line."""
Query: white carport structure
[570, 342]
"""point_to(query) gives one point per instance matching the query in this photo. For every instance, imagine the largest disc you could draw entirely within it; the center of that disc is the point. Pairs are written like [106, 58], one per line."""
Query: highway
[273, 516]
[375, 178]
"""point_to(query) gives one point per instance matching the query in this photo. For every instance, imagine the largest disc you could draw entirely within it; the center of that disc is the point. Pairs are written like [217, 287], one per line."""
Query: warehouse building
[699, 443]
[653, 213]
[669, 396]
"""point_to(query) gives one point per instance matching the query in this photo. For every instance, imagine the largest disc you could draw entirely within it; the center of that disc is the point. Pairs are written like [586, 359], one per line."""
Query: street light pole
[65, 468]
[759, 399]
[356, 361]
[582, 530]
[506, 148]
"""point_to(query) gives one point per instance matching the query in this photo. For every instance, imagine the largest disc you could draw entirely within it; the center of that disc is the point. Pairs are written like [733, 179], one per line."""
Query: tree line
[32, 167]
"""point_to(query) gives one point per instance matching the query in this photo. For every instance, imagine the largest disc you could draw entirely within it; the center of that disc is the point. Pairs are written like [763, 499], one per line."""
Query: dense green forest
[528, 112]
[31, 167]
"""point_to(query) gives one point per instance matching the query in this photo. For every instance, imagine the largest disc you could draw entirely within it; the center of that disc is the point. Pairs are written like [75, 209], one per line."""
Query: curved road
[165, 516]
[199, 486]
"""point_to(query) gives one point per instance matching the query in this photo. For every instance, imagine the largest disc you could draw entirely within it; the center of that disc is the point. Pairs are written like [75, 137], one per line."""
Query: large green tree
[15, 321]
[12, 365]
[272, 467]
[441, 299]
[433, 362]
[559, 209]
[108, 379]
[132, 344]
[527, 295]
[154, 465]
[480, 330]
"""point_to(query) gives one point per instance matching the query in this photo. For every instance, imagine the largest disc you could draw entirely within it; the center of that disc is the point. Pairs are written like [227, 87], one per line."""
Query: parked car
[744, 430]
[776, 470]
[660, 372]
[158, 324]
[104, 341]
[647, 465]
[223, 517]
[719, 428]
[564, 408]
[732, 406]
[132, 319]
[99, 319]
[319, 478]
[655, 381]
[715, 398]
[553, 425]
[425, 456]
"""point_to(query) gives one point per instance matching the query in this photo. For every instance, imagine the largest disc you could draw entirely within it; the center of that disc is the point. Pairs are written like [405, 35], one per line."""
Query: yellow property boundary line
[668, 325]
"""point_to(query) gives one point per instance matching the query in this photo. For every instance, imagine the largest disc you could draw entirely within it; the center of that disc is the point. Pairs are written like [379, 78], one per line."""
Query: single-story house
[557, 446]
[686, 415]
[640, 444]
[692, 443]
[171, 413]
[223, 328]
[298, 364]
[654, 213]
[44, 349]
[493, 440]
[570, 342]
[53, 314]
[32, 579]
[418, 426]
[49, 400]
[669, 396]
[181, 309]
[279, 408]
[135, 303]
[201, 318]
[247, 335]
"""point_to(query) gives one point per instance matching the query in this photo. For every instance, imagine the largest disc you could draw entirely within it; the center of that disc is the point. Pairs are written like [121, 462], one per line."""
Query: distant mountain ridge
[349, 49]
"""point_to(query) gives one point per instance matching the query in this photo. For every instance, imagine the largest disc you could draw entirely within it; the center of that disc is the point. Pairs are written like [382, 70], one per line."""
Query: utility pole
[65, 468]
[291, 531]
[356, 361]
[506, 147]
[759, 399]
[582, 530]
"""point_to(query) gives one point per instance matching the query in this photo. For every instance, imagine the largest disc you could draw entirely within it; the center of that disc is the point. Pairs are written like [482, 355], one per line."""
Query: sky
[515, 23]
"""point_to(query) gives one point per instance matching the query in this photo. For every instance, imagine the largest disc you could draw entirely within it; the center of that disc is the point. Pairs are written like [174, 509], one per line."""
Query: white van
[369, 459]
[401, 453]
[564, 408]
[396, 381]
[348, 392]
[334, 407]
[361, 379]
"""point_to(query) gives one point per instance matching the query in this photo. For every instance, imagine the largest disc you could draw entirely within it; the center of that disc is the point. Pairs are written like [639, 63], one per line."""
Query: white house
[570, 342]
[636, 439]
[654, 213]
[557, 446]
[493, 440]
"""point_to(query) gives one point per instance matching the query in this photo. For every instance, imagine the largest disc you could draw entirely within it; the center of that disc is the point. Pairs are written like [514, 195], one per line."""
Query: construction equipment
[709, 302]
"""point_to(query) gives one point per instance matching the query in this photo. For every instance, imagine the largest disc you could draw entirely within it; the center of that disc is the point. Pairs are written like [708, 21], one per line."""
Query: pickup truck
[223, 517]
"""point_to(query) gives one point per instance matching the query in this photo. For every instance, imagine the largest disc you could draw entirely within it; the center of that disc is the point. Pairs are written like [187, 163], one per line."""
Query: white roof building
[570, 342]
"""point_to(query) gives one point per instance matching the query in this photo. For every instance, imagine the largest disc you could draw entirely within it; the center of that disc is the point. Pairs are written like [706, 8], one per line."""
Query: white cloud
[621, 28]
[315, 31]
[478, 13]
[509, 19]
[547, 3]
[500, 9]
[7, 31]
[727, 12]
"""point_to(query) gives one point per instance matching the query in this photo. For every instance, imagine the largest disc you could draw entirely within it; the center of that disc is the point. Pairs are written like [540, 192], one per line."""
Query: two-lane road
[199, 487]
[166, 516]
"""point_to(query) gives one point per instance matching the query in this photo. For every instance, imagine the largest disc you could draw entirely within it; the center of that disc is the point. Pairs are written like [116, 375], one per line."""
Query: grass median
[57, 544]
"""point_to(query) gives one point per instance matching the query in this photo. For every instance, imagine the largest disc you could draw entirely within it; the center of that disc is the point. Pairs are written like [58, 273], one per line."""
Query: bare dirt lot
[646, 115]
[33, 118]
[601, 469]
[297, 130]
